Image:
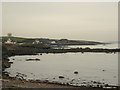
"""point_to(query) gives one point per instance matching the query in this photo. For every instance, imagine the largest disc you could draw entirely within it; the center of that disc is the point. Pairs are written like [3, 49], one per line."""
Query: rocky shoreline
[12, 82]
[33, 51]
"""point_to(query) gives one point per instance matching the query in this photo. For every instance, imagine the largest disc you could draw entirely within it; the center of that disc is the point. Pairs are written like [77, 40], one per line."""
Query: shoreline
[12, 82]
[22, 83]
[7, 64]
[34, 51]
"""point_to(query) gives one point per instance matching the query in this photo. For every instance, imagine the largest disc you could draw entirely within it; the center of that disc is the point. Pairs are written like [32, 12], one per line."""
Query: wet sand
[11, 84]
[16, 83]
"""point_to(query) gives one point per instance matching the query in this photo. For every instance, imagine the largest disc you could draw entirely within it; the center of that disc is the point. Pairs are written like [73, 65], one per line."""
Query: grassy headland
[51, 41]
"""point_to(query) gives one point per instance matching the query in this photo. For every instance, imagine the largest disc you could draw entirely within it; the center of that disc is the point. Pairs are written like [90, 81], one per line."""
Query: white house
[9, 41]
[53, 42]
[36, 42]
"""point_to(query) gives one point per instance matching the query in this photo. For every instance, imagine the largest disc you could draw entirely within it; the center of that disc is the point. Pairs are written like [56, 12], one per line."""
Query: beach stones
[75, 72]
[11, 62]
[61, 76]
[40, 53]
[103, 70]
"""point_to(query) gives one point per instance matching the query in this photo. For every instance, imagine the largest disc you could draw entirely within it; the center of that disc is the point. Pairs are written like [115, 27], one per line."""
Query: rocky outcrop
[36, 59]
[61, 76]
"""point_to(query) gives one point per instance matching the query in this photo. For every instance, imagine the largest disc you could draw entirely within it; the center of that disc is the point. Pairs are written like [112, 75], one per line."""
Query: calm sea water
[92, 68]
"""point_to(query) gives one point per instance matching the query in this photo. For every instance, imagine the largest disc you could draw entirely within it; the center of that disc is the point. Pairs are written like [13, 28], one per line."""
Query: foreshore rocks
[36, 59]
[75, 72]
[5, 63]
[24, 51]
[61, 76]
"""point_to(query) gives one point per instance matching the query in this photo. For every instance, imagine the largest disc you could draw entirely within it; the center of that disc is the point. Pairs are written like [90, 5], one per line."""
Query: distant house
[53, 42]
[9, 41]
[36, 42]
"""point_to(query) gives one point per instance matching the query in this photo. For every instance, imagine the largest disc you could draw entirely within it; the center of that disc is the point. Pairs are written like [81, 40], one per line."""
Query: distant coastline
[12, 46]
[51, 41]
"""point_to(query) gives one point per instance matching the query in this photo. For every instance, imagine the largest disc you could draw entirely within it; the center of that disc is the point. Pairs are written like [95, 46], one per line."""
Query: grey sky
[86, 21]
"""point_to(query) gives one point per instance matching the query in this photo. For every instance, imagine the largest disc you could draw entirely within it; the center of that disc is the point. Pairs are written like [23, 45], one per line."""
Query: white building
[9, 41]
[53, 42]
[36, 42]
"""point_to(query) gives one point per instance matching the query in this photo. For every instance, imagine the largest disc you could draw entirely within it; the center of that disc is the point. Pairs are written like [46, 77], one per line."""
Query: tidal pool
[92, 68]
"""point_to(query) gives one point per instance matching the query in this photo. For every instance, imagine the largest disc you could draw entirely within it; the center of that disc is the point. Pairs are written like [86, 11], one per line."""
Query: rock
[6, 64]
[75, 72]
[61, 76]
[36, 59]
[46, 81]
[72, 80]
[103, 70]
[11, 62]
[106, 85]
[94, 82]
[41, 54]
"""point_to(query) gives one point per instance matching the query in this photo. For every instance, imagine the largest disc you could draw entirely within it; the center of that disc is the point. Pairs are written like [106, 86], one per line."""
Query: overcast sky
[82, 21]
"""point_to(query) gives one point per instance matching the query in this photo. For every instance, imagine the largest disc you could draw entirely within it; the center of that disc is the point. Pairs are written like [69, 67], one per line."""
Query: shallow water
[92, 68]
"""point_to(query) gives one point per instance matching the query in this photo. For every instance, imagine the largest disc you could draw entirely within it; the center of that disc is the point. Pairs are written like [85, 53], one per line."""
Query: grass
[15, 39]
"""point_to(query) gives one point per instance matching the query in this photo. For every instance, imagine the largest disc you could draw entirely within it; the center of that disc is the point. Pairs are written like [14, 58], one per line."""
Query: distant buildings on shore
[9, 41]
[36, 42]
[30, 41]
